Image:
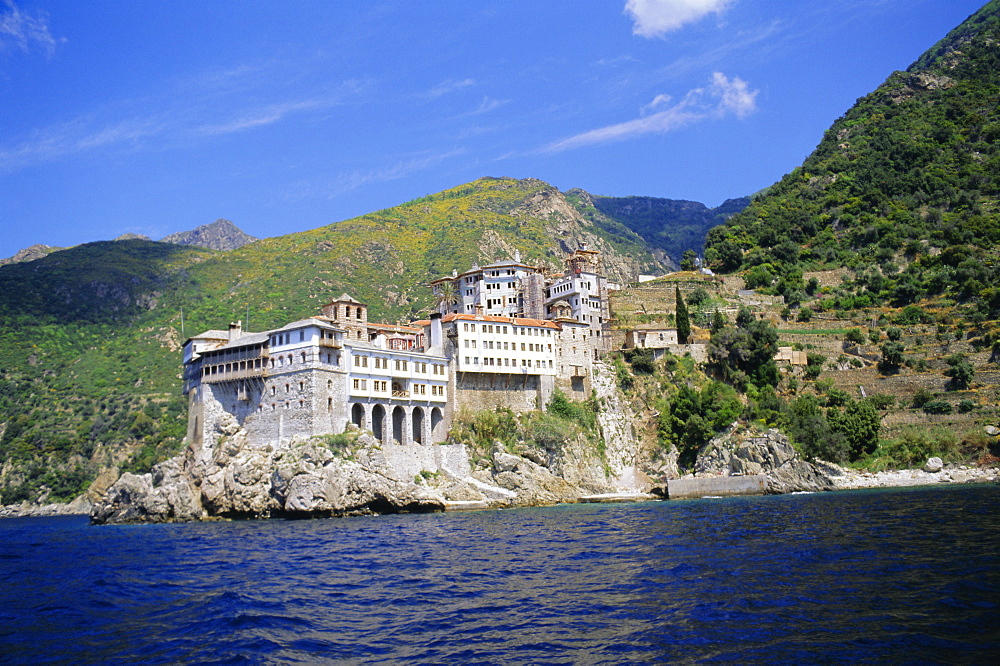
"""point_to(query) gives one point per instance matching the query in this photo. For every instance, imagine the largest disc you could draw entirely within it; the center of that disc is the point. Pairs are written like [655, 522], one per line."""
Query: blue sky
[153, 117]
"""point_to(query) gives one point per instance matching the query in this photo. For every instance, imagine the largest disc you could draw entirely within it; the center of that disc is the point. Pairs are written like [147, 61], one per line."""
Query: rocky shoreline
[847, 479]
[306, 479]
[841, 478]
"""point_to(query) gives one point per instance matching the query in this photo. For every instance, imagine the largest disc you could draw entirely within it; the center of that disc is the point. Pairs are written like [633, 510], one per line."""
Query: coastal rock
[933, 465]
[137, 498]
[532, 483]
[770, 453]
[243, 480]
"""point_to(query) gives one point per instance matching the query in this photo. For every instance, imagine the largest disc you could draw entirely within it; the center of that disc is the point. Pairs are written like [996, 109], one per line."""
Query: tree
[961, 372]
[447, 297]
[688, 260]
[859, 423]
[681, 318]
[892, 356]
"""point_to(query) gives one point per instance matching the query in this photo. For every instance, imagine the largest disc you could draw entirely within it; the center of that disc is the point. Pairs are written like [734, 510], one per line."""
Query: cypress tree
[682, 319]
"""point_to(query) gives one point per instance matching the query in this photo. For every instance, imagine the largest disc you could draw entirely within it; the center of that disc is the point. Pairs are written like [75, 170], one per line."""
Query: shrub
[965, 406]
[937, 407]
[854, 335]
[921, 398]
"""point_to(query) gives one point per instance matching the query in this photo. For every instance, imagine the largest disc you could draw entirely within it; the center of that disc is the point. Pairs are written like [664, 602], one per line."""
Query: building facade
[404, 383]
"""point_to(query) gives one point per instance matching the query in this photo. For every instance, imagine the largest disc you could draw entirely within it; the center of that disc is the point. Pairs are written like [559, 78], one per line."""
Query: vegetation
[539, 435]
[903, 189]
[90, 336]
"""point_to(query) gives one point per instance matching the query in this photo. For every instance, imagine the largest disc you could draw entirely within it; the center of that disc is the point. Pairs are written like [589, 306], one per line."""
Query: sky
[156, 117]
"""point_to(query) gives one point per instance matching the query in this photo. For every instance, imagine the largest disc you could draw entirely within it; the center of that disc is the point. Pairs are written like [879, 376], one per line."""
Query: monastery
[505, 334]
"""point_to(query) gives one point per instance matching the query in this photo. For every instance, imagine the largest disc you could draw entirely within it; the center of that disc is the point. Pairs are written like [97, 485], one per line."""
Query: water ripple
[908, 575]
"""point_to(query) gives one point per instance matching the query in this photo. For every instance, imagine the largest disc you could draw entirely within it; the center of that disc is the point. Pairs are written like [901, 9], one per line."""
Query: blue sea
[908, 575]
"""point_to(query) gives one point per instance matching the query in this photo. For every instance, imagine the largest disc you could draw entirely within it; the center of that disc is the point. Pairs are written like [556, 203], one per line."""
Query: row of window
[507, 346]
[508, 362]
[381, 362]
[502, 330]
[382, 386]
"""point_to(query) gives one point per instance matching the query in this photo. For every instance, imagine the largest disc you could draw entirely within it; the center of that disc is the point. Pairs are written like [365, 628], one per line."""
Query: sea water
[909, 575]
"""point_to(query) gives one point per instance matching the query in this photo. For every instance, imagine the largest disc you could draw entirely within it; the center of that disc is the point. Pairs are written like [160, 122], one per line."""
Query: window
[360, 384]
[302, 336]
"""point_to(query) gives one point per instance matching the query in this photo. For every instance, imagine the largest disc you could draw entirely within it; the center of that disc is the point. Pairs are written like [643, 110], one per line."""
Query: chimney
[436, 337]
[235, 330]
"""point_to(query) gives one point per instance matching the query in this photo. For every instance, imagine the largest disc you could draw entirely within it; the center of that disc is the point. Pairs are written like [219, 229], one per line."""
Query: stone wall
[408, 461]
[476, 391]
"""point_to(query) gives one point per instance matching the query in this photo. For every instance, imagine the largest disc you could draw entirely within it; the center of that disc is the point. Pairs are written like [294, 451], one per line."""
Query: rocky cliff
[351, 474]
[745, 453]
[220, 235]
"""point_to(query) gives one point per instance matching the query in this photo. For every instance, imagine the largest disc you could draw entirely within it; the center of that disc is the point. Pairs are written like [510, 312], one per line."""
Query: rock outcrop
[769, 453]
[237, 478]
[220, 235]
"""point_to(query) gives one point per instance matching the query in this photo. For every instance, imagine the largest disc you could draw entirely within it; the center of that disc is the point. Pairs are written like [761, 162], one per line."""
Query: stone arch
[437, 425]
[399, 424]
[358, 415]
[417, 417]
[378, 422]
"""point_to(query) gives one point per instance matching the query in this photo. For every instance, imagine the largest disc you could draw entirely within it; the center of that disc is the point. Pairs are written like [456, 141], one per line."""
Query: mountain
[90, 336]
[904, 189]
[220, 235]
[30, 254]
[669, 226]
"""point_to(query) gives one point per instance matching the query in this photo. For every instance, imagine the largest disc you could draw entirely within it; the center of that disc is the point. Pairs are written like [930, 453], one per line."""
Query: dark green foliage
[854, 335]
[670, 225]
[921, 398]
[882, 401]
[807, 425]
[960, 371]
[641, 360]
[859, 423]
[681, 318]
[892, 357]
[695, 416]
[912, 168]
[965, 406]
[687, 261]
[745, 354]
[894, 333]
[938, 407]
[698, 297]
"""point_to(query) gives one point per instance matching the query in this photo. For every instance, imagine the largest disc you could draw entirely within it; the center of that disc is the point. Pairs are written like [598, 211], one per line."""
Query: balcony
[400, 394]
[234, 375]
[330, 343]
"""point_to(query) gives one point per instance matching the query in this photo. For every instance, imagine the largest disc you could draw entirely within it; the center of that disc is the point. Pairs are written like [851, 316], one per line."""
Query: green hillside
[903, 190]
[91, 335]
[668, 225]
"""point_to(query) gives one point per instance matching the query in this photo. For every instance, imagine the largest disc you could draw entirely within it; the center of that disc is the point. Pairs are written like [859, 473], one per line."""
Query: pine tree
[682, 319]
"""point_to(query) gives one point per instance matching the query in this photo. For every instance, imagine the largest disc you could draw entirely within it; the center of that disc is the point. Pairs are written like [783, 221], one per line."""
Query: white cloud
[658, 101]
[488, 104]
[353, 180]
[722, 97]
[21, 30]
[447, 87]
[263, 116]
[655, 18]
